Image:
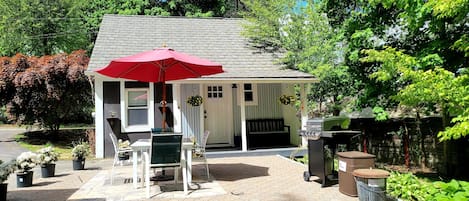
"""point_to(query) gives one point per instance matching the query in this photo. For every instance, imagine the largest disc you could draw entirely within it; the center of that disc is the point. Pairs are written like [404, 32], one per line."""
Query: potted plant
[123, 145]
[287, 100]
[80, 151]
[47, 158]
[5, 170]
[24, 163]
[195, 100]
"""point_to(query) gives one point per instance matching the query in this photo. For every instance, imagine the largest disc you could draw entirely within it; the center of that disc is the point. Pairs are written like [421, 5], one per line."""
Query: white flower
[26, 161]
[47, 155]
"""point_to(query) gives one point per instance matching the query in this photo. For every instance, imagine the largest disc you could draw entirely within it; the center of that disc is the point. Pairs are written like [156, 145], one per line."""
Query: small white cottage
[240, 108]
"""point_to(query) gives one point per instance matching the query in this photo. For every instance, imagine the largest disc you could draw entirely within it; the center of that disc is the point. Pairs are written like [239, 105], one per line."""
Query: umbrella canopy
[160, 65]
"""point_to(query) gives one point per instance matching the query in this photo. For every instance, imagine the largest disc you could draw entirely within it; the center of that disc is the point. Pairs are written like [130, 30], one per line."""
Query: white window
[136, 106]
[214, 92]
[250, 93]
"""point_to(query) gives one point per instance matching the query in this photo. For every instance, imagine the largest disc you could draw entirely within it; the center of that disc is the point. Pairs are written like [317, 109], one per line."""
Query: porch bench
[267, 133]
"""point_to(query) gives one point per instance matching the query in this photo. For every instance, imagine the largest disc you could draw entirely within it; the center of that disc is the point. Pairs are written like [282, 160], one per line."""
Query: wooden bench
[267, 133]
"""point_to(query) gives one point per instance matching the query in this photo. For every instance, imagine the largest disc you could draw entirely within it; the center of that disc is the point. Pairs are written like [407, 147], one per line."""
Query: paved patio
[232, 178]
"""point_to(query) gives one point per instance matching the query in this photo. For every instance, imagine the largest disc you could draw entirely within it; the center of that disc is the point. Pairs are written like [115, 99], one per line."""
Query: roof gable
[216, 39]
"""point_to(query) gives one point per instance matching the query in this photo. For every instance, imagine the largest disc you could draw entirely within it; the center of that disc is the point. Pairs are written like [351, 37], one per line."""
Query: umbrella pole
[164, 104]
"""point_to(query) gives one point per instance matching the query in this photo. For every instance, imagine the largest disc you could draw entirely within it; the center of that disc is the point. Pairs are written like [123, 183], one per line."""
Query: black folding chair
[165, 151]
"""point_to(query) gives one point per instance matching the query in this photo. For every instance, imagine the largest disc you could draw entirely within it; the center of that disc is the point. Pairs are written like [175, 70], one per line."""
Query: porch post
[99, 117]
[177, 108]
[304, 88]
[242, 107]
[201, 112]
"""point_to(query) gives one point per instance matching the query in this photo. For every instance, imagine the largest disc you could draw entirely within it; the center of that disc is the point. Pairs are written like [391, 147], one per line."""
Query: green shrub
[407, 186]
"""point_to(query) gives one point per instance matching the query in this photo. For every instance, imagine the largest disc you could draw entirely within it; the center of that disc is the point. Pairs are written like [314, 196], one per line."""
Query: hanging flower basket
[195, 100]
[287, 100]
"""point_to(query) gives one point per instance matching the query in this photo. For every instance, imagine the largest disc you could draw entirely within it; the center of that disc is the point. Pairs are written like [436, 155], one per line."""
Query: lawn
[61, 141]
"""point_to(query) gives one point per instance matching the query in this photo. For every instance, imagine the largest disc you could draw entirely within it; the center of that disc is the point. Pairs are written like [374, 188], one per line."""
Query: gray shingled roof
[216, 39]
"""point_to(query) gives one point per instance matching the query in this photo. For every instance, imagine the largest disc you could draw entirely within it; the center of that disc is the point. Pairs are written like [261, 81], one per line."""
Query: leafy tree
[264, 21]
[419, 27]
[307, 41]
[45, 90]
[36, 27]
[94, 10]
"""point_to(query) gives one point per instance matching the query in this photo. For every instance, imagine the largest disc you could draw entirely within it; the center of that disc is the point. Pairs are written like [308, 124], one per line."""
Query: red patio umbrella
[160, 65]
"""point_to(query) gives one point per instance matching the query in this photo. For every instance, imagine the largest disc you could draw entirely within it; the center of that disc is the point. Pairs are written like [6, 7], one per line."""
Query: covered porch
[231, 106]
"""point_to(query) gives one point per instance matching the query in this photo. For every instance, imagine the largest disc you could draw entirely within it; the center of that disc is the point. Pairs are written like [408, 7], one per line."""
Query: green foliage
[264, 21]
[431, 90]
[6, 168]
[380, 114]
[429, 31]
[36, 27]
[406, 186]
[310, 44]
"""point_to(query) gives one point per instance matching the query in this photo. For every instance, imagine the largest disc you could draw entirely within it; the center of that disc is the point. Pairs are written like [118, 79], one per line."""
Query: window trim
[254, 94]
[124, 106]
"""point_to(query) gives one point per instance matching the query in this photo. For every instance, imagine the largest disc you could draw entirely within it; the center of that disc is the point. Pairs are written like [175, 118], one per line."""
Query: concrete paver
[265, 178]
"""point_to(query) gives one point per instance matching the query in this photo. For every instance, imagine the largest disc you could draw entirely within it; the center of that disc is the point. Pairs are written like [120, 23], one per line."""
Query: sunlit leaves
[35, 27]
[429, 86]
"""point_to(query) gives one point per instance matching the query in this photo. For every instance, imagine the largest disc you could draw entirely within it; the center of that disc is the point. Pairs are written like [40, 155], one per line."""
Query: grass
[61, 141]
[64, 151]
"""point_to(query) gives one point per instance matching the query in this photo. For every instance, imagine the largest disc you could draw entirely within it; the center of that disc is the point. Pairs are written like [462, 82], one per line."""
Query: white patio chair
[117, 151]
[199, 152]
[165, 151]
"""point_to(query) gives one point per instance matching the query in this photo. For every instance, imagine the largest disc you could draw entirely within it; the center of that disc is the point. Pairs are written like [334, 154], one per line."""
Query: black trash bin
[371, 184]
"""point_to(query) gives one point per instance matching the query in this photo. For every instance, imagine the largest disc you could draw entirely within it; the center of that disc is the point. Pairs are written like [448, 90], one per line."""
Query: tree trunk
[406, 146]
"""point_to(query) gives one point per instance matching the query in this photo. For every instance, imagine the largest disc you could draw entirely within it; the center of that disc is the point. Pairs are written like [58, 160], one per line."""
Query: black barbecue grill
[324, 134]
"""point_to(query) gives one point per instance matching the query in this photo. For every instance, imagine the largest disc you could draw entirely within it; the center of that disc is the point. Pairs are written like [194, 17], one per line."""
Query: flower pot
[24, 179]
[3, 191]
[47, 170]
[79, 164]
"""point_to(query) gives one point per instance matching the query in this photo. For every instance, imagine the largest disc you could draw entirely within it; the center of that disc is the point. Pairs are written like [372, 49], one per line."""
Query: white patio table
[143, 145]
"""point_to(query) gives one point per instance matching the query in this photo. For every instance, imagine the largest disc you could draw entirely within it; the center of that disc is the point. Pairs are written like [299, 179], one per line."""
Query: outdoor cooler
[322, 133]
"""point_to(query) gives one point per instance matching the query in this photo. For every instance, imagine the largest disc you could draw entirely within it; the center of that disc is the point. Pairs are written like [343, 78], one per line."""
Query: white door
[219, 114]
